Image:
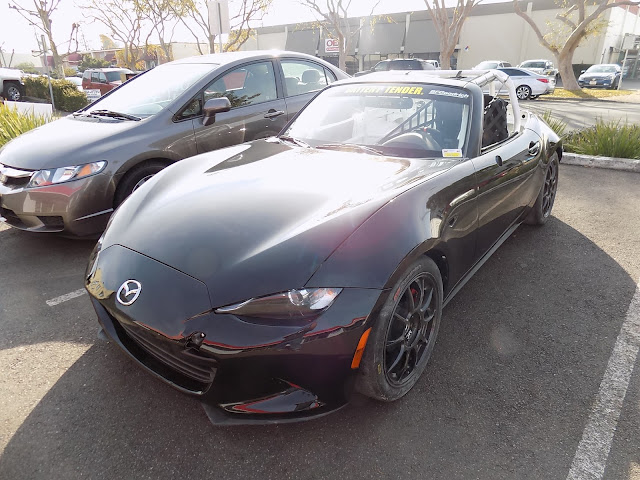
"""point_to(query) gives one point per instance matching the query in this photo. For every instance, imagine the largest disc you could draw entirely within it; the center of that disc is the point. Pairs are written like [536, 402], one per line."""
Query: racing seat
[495, 121]
[310, 81]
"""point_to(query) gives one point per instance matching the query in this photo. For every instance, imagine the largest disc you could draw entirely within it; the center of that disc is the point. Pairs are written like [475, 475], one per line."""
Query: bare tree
[195, 11]
[40, 17]
[573, 25]
[334, 17]
[163, 16]
[125, 21]
[448, 23]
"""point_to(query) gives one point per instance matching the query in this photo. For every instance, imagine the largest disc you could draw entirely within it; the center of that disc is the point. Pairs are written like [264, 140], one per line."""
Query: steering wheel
[416, 140]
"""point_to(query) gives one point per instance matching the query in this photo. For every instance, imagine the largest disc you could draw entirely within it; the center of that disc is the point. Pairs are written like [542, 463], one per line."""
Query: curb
[624, 164]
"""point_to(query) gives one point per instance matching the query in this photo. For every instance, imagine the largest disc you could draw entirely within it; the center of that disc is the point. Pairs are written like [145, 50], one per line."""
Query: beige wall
[269, 41]
[508, 37]
[184, 50]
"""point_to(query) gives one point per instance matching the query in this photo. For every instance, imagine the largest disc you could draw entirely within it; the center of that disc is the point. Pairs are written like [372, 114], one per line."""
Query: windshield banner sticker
[406, 90]
[449, 94]
[451, 152]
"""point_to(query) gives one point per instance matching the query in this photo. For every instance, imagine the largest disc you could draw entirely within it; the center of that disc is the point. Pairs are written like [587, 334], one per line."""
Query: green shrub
[556, 124]
[66, 95]
[13, 123]
[607, 139]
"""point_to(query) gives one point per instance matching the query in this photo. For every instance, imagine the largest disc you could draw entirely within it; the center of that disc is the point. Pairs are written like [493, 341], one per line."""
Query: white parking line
[67, 296]
[591, 457]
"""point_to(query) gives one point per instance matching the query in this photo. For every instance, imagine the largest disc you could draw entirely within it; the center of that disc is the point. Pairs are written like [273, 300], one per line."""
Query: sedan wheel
[404, 335]
[135, 178]
[523, 92]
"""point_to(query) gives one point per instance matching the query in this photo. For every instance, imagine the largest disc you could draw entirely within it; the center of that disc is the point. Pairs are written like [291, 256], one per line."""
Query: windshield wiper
[350, 146]
[111, 113]
[293, 140]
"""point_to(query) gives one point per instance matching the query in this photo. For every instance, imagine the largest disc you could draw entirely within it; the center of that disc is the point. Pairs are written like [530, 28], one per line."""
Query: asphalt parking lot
[513, 389]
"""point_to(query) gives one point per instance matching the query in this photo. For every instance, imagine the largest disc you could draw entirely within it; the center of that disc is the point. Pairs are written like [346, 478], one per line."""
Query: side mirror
[213, 106]
[582, 71]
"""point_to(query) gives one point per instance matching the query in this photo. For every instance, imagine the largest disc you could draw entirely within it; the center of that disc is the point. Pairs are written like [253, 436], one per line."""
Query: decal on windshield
[449, 94]
[386, 89]
[451, 152]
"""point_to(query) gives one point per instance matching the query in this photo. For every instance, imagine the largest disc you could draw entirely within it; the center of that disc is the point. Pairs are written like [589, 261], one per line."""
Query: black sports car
[274, 278]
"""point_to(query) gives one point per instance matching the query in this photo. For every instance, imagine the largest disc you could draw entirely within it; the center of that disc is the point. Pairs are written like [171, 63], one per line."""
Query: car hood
[261, 217]
[63, 142]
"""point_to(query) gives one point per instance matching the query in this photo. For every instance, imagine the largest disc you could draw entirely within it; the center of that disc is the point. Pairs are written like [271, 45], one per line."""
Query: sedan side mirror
[213, 106]
[582, 71]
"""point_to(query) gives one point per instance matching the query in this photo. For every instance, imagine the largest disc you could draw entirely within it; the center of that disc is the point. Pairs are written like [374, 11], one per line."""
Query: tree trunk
[212, 43]
[342, 53]
[565, 68]
[446, 50]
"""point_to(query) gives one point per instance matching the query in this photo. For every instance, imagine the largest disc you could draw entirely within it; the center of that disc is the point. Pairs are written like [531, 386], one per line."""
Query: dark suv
[400, 64]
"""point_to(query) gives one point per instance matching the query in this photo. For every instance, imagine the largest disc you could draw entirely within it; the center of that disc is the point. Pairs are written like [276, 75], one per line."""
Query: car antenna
[459, 74]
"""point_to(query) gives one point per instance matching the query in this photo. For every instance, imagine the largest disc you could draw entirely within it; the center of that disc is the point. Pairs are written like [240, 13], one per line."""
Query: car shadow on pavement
[519, 359]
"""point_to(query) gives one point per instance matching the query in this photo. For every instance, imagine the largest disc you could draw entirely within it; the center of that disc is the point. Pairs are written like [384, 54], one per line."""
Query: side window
[303, 77]
[95, 77]
[331, 77]
[103, 78]
[381, 67]
[86, 76]
[245, 85]
[192, 109]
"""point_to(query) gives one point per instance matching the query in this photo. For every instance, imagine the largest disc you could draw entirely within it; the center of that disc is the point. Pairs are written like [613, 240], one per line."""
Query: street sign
[218, 16]
[331, 45]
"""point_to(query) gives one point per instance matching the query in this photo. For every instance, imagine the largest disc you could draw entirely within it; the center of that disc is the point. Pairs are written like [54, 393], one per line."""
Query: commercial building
[492, 32]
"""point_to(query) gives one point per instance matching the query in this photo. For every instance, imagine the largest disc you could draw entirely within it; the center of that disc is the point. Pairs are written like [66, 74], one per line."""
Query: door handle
[534, 148]
[273, 113]
[499, 160]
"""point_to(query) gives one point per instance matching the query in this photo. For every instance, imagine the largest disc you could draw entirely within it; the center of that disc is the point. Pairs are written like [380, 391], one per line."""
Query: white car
[528, 84]
[77, 81]
[491, 64]
[540, 66]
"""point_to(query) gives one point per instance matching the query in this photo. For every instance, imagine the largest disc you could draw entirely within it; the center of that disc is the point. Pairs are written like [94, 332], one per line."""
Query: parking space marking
[67, 296]
[592, 453]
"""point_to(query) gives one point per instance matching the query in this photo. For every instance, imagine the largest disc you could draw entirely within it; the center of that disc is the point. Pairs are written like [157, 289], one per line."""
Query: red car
[104, 79]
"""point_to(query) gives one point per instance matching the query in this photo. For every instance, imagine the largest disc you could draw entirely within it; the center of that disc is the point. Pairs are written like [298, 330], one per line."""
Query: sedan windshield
[602, 69]
[404, 120]
[151, 92]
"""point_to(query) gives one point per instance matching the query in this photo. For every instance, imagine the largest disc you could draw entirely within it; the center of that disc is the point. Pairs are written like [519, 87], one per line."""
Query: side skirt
[479, 263]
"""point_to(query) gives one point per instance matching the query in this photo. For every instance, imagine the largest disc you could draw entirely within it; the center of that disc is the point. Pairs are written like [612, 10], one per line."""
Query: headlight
[291, 305]
[65, 174]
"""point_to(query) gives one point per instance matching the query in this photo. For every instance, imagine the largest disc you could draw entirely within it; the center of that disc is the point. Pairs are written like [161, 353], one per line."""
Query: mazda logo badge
[129, 292]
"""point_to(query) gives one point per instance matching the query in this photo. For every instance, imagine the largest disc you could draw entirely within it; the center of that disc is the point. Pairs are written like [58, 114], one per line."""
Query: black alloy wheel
[404, 333]
[550, 188]
[410, 330]
[541, 210]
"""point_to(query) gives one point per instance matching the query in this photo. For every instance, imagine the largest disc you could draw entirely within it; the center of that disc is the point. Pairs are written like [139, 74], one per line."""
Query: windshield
[147, 94]
[399, 119]
[602, 69]
[405, 65]
[116, 76]
[533, 65]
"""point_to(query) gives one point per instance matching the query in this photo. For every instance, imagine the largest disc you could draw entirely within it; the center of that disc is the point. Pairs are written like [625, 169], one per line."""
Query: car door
[302, 79]
[258, 109]
[503, 171]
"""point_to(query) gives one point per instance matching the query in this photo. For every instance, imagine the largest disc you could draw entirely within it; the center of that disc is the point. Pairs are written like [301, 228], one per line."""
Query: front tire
[541, 210]
[13, 91]
[135, 178]
[523, 92]
[404, 334]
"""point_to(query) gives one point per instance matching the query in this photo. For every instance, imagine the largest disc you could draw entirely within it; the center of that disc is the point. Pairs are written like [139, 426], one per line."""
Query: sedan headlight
[65, 174]
[291, 305]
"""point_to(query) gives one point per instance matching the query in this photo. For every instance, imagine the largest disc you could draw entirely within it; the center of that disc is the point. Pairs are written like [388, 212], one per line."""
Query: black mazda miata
[275, 278]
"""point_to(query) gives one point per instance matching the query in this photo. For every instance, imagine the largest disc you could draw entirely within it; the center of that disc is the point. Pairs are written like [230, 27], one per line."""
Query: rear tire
[135, 177]
[523, 92]
[541, 210]
[404, 334]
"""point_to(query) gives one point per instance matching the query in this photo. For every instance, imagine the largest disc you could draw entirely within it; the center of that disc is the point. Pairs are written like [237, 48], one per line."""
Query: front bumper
[80, 207]
[596, 83]
[244, 371]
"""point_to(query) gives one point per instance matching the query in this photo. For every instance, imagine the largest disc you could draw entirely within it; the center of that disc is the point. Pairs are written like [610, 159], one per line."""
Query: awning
[303, 41]
[422, 37]
[383, 38]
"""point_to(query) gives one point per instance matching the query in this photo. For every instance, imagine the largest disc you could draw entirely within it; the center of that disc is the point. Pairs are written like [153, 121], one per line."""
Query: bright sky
[16, 33]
